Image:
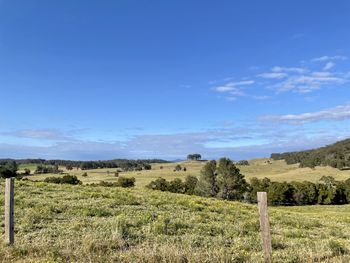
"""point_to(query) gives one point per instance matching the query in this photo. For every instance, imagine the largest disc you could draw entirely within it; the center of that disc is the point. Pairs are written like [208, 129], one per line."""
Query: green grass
[63, 223]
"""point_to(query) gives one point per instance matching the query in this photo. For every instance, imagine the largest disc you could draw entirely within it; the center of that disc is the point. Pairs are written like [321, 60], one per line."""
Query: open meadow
[64, 223]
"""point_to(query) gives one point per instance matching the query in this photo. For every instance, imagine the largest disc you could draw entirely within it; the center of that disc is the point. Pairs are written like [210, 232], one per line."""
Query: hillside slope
[336, 155]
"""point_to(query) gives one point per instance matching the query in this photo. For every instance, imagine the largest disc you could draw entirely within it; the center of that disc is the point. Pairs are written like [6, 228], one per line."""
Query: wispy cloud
[232, 90]
[40, 134]
[288, 69]
[327, 58]
[273, 75]
[340, 112]
[328, 66]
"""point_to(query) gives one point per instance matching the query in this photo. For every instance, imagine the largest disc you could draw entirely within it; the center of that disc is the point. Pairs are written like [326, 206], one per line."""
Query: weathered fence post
[264, 226]
[9, 211]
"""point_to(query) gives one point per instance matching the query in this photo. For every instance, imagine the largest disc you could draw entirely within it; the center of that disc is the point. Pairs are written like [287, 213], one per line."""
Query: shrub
[177, 168]
[242, 162]
[159, 184]
[176, 186]
[190, 184]
[66, 179]
[126, 181]
[84, 174]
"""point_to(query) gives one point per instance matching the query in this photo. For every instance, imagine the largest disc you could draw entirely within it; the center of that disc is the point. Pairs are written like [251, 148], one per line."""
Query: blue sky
[161, 79]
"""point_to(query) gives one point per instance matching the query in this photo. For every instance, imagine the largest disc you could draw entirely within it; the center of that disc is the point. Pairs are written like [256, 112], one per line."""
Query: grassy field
[63, 223]
[276, 171]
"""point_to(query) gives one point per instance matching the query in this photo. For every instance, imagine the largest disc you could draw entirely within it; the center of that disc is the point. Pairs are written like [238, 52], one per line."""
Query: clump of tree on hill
[336, 155]
[194, 157]
[43, 169]
[242, 162]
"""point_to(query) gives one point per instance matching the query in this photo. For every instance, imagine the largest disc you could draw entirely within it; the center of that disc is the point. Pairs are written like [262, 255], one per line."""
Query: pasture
[260, 168]
[64, 223]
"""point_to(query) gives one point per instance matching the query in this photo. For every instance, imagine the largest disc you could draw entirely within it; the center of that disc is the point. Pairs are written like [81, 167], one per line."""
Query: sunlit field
[260, 168]
[64, 223]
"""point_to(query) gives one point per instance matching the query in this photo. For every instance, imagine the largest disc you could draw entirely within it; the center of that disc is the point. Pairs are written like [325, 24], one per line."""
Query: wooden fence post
[264, 226]
[9, 211]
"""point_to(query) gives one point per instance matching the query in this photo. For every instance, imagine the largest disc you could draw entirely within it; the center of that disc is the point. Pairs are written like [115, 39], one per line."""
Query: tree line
[124, 164]
[336, 155]
[222, 179]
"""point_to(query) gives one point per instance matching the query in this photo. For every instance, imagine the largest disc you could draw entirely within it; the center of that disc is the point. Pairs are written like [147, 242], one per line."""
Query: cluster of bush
[223, 180]
[178, 168]
[47, 169]
[176, 185]
[125, 182]
[336, 155]
[66, 179]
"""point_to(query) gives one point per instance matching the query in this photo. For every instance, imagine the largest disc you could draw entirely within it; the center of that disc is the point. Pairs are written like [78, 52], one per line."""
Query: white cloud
[41, 134]
[273, 75]
[327, 58]
[233, 86]
[328, 66]
[224, 89]
[288, 69]
[336, 113]
[305, 83]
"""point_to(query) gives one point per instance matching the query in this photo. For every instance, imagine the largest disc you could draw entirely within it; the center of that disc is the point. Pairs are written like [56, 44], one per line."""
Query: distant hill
[336, 155]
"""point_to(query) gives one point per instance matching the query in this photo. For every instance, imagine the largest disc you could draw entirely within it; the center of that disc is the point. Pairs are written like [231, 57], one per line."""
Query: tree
[231, 182]
[243, 162]
[255, 186]
[280, 194]
[207, 184]
[9, 169]
[190, 184]
[194, 157]
[305, 193]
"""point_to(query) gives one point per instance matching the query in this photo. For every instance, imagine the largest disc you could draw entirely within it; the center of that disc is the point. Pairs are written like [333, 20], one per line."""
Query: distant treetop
[194, 157]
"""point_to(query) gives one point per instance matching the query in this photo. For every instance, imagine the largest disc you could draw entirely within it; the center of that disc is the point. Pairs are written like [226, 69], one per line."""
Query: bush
[126, 181]
[159, 184]
[190, 184]
[66, 179]
[242, 162]
[177, 168]
[84, 175]
[176, 186]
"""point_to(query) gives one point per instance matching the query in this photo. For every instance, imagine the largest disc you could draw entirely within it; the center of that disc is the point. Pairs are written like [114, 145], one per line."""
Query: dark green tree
[190, 184]
[207, 184]
[231, 182]
[8, 169]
